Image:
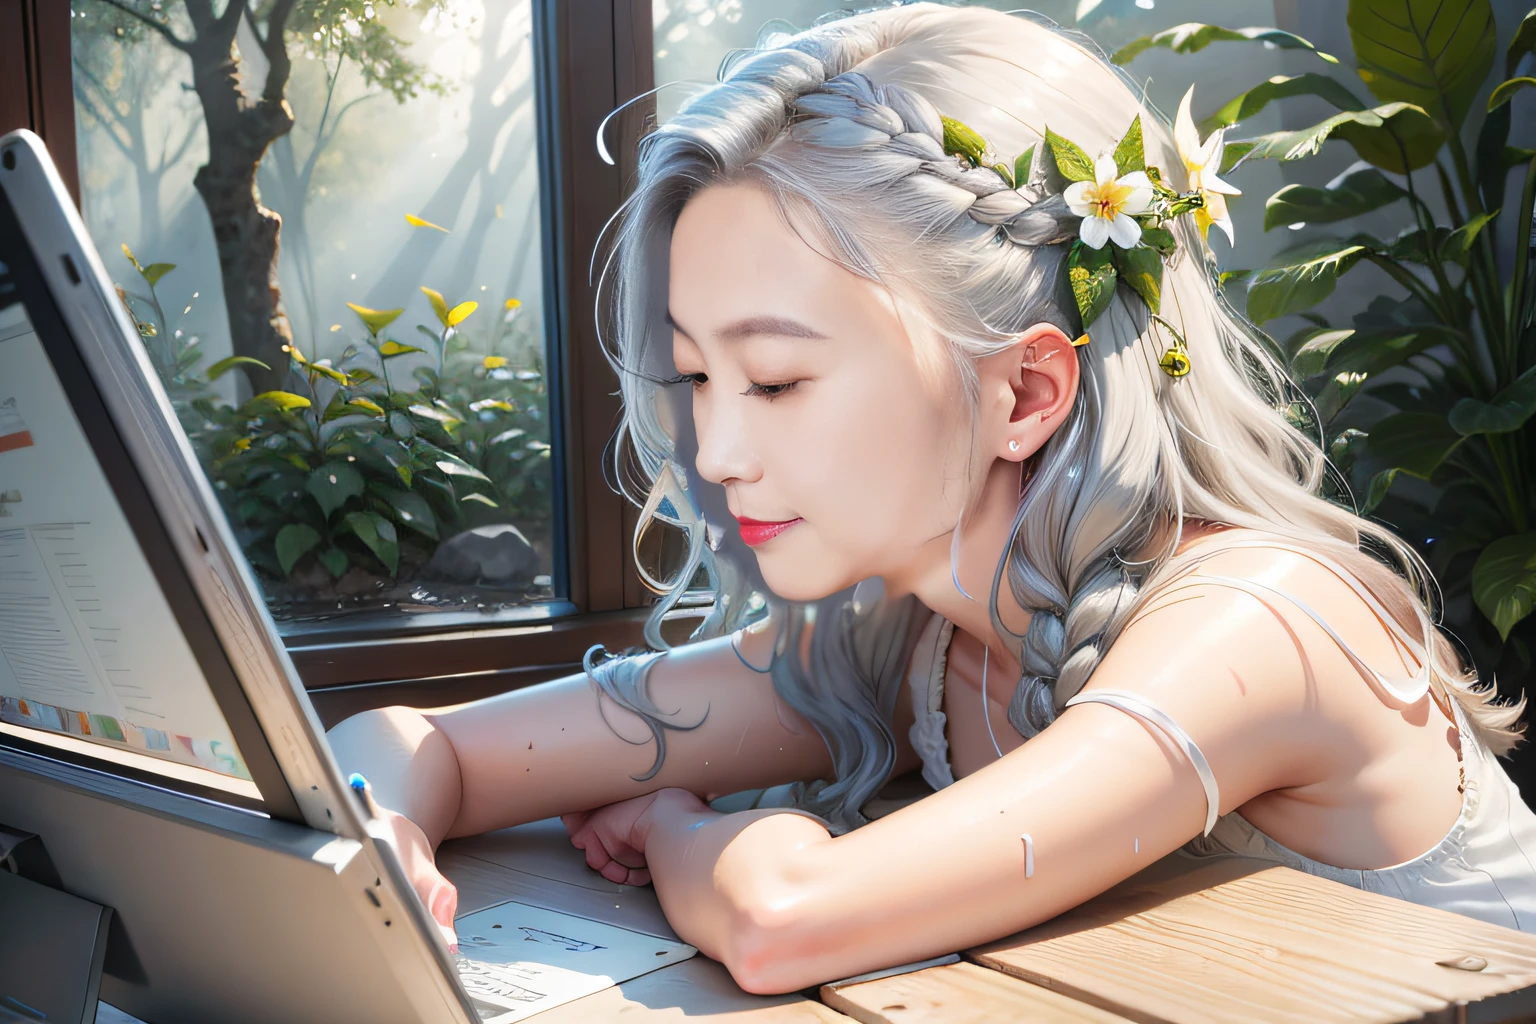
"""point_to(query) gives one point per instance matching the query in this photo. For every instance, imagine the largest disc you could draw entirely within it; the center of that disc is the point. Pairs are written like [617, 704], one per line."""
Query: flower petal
[1095, 232]
[1185, 136]
[1123, 231]
[1211, 183]
[1105, 170]
[1209, 154]
[1136, 179]
[1225, 223]
[1139, 201]
[1076, 198]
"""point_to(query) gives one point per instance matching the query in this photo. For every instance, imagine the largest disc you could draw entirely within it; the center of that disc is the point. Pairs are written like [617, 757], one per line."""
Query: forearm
[410, 765]
[728, 893]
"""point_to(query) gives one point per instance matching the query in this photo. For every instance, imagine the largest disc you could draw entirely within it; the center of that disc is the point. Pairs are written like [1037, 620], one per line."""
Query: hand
[415, 854]
[614, 836]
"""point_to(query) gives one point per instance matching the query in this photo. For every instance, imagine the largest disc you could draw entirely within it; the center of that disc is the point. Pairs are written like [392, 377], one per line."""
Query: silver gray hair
[840, 126]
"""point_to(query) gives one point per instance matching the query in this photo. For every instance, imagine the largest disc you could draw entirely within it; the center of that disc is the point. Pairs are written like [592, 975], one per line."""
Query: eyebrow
[753, 326]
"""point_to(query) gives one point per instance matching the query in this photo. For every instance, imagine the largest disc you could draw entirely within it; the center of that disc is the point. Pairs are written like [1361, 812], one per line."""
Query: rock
[498, 555]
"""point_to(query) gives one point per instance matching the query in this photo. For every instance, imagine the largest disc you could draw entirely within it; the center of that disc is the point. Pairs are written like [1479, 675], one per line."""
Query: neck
[984, 535]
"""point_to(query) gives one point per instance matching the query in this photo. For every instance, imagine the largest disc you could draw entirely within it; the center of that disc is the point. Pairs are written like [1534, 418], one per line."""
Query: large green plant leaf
[1397, 137]
[1301, 277]
[1414, 442]
[1193, 36]
[1280, 87]
[1524, 42]
[410, 508]
[223, 366]
[1312, 355]
[1433, 53]
[1359, 190]
[1506, 90]
[1373, 352]
[293, 542]
[378, 535]
[332, 484]
[1506, 411]
[1504, 581]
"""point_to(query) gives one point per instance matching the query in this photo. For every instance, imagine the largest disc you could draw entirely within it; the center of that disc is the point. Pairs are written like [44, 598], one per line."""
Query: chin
[799, 579]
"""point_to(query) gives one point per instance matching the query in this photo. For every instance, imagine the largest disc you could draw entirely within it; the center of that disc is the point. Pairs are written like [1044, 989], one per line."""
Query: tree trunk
[246, 233]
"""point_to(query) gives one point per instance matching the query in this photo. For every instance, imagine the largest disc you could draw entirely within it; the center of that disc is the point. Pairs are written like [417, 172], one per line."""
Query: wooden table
[1227, 940]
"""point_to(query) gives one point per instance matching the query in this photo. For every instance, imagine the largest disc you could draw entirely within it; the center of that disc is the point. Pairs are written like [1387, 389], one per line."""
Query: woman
[948, 504]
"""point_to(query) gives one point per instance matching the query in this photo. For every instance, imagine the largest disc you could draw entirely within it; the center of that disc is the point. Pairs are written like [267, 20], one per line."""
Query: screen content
[89, 648]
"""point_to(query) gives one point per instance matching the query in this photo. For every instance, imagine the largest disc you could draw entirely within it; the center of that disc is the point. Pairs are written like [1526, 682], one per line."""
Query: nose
[726, 451]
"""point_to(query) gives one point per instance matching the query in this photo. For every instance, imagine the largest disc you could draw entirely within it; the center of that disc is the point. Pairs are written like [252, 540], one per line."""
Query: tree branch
[164, 30]
[275, 46]
[181, 149]
[101, 119]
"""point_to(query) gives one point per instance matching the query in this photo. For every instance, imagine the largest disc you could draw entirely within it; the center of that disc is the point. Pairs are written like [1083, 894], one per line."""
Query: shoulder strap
[1404, 693]
[1139, 707]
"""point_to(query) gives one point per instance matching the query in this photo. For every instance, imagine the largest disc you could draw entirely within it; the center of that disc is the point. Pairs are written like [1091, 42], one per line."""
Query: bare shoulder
[1230, 651]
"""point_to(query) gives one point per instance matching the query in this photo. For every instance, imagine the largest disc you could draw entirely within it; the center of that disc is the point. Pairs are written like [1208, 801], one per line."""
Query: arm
[786, 906]
[550, 749]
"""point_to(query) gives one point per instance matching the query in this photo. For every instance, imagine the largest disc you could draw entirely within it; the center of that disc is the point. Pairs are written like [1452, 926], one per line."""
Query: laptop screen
[91, 656]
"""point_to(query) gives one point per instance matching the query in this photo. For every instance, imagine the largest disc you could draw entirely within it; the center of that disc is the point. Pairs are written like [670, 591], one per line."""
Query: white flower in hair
[1108, 203]
[1202, 161]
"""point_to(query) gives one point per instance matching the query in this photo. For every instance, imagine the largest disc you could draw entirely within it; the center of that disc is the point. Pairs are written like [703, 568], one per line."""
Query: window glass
[354, 340]
[692, 37]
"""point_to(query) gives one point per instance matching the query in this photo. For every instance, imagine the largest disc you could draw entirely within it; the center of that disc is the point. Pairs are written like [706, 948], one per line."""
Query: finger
[443, 905]
[575, 821]
[638, 876]
[615, 872]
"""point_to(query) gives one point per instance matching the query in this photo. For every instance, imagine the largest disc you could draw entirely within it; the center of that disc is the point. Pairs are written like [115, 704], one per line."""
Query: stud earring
[1013, 446]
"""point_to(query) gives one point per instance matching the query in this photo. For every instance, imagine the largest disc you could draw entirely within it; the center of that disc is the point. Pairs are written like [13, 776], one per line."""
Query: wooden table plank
[959, 994]
[684, 993]
[1234, 939]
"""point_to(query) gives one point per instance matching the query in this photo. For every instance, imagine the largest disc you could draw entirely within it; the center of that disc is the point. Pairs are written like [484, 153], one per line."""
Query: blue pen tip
[356, 781]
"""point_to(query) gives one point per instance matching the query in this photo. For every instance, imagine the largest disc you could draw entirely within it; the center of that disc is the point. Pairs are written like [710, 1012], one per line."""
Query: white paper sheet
[516, 960]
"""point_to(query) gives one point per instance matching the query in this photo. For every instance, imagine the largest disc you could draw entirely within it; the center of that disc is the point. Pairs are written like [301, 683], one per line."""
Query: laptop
[158, 755]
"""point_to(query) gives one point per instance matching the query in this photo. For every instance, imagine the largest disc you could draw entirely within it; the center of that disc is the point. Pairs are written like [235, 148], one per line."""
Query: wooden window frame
[590, 57]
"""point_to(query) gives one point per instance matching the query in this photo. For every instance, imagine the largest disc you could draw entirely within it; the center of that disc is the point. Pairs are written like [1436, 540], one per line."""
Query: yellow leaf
[132, 258]
[363, 403]
[375, 319]
[394, 348]
[335, 328]
[514, 303]
[439, 304]
[495, 362]
[416, 222]
[458, 314]
[242, 443]
[293, 351]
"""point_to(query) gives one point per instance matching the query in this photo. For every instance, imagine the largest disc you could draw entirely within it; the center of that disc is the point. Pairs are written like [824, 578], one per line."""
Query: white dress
[1484, 867]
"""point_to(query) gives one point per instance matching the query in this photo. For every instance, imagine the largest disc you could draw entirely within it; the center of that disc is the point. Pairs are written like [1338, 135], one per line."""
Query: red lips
[757, 531]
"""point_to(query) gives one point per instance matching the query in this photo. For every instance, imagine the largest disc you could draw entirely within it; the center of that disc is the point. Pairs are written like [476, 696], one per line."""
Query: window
[375, 416]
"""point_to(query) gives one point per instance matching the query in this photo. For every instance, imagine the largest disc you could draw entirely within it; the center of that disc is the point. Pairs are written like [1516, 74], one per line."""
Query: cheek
[878, 458]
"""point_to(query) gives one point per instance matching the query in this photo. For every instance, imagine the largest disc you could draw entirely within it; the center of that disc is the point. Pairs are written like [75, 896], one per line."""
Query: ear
[1036, 388]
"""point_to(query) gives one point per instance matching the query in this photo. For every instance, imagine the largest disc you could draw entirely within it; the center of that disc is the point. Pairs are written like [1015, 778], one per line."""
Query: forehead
[732, 244]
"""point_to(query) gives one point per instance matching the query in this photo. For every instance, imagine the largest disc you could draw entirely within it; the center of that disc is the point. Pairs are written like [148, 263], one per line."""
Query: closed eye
[770, 391]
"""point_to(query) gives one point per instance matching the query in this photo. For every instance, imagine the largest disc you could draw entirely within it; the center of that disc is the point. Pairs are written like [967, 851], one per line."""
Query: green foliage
[353, 468]
[1445, 449]
[1191, 37]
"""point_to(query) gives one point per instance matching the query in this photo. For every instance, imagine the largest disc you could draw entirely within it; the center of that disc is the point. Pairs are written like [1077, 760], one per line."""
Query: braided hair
[840, 125]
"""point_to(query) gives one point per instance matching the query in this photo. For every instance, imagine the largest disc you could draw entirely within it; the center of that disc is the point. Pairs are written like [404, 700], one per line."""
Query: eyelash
[755, 390]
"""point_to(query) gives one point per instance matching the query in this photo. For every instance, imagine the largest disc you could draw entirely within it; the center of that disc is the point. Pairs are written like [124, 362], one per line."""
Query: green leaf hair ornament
[1124, 206]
